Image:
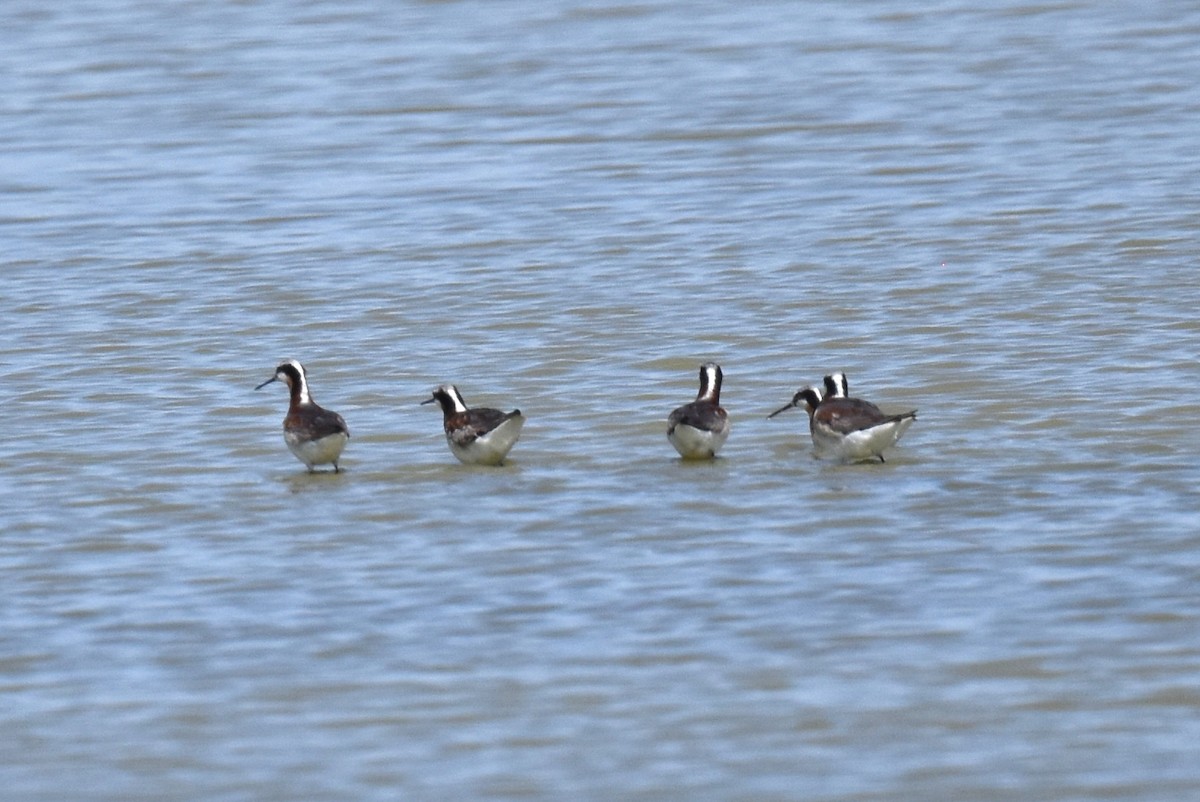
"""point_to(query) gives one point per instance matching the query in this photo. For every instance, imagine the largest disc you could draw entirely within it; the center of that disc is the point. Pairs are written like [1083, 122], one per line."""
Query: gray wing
[846, 415]
[699, 415]
[327, 423]
[478, 422]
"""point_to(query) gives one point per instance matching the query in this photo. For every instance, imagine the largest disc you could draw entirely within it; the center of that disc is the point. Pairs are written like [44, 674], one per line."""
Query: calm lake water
[988, 212]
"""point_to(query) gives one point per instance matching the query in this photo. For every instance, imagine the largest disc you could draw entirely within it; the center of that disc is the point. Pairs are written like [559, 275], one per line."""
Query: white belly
[693, 443]
[862, 445]
[316, 452]
[493, 447]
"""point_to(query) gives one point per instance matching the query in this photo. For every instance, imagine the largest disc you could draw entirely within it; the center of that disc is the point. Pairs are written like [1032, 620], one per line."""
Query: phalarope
[479, 436]
[314, 434]
[849, 429]
[699, 429]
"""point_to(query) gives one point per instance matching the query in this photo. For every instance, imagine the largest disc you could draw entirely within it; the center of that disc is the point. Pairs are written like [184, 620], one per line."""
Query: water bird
[316, 436]
[699, 429]
[479, 436]
[849, 429]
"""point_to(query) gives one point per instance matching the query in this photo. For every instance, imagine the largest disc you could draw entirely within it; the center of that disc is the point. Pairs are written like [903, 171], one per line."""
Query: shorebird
[849, 429]
[479, 436]
[314, 434]
[699, 429]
